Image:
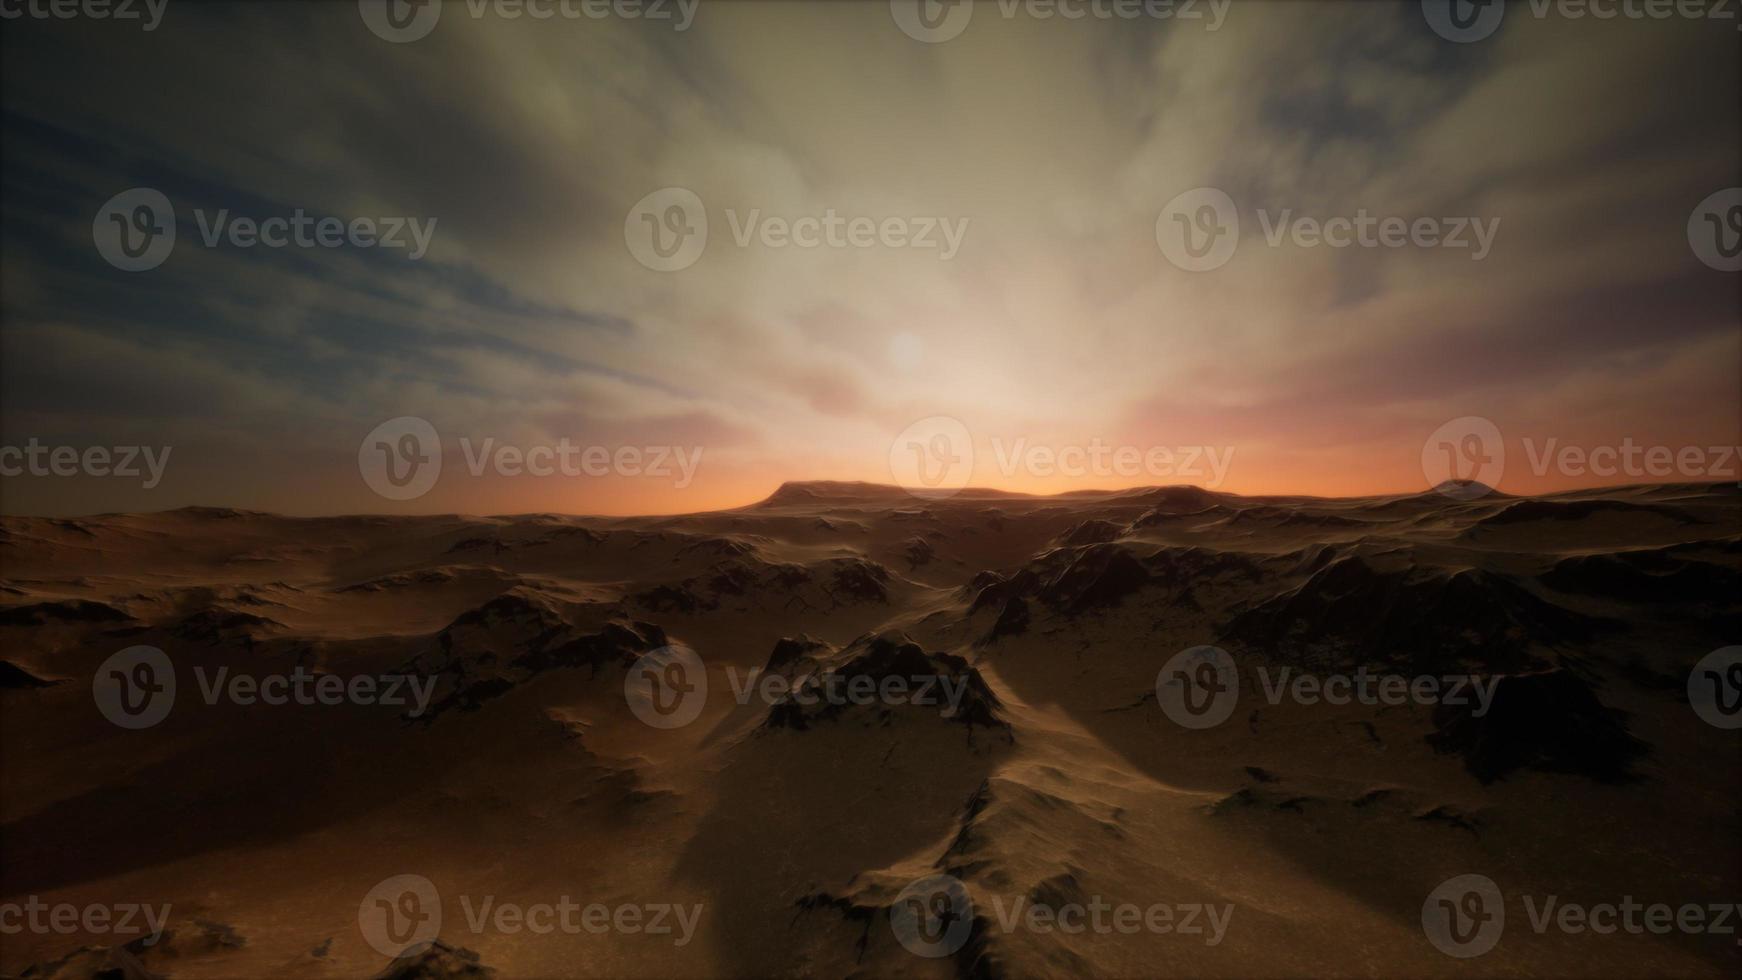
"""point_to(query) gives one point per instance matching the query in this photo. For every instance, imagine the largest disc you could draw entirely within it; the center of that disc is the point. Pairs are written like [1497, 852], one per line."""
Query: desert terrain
[1297, 837]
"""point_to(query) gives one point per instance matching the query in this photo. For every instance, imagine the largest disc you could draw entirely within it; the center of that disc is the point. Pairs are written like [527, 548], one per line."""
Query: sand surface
[1059, 779]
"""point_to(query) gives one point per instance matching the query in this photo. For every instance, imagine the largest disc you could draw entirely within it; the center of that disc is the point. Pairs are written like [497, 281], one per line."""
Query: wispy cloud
[1057, 143]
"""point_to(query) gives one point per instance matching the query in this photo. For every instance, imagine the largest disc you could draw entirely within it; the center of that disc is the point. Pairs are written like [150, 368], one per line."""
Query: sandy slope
[1323, 827]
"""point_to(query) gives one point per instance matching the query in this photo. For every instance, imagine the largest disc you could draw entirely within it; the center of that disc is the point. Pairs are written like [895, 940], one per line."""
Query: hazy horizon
[918, 499]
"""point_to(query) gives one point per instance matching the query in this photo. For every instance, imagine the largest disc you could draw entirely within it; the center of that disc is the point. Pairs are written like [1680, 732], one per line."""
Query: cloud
[1056, 142]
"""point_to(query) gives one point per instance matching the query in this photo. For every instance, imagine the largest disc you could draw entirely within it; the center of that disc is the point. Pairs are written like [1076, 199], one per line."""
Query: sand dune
[1040, 769]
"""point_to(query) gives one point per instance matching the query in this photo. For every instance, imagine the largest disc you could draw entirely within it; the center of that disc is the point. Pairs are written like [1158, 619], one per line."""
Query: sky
[993, 292]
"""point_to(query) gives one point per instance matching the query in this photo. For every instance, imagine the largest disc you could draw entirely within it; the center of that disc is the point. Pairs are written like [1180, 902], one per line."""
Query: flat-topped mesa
[811, 492]
[1180, 498]
[833, 491]
[219, 513]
